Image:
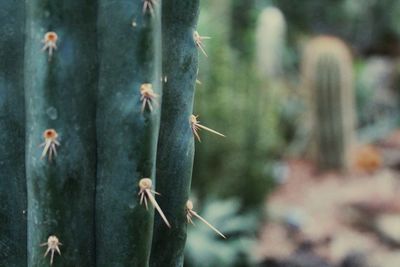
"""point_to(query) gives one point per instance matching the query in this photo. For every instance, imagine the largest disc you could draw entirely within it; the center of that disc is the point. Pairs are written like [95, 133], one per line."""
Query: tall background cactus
[270, 43]
[327, 73]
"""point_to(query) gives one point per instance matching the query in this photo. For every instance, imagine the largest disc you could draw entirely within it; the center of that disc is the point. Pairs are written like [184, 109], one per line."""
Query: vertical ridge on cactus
[60, 94]
[176, 141]
[12, 136]
[127, 129]
[327, 73]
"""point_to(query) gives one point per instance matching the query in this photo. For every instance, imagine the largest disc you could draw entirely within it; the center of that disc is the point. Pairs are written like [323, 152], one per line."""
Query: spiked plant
[327, 73]
[92, 72]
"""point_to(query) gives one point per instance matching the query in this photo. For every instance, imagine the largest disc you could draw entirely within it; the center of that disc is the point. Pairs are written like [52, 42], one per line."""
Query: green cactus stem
[128, 114]
[12, 136]
[176, 140]
[328, 75]
[60, 87]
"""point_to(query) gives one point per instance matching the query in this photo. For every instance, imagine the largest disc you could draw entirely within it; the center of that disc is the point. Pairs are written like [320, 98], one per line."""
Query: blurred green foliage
[377, 98]
[231, 100]
[206, 249]
[371, 26]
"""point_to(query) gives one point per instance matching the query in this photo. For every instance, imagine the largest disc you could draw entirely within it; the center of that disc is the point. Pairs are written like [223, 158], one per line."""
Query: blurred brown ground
[358, 211]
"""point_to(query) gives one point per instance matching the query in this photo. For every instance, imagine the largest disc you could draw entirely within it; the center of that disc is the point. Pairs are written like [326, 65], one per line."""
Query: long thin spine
[207, 223]
[210, 130]
[157, 207]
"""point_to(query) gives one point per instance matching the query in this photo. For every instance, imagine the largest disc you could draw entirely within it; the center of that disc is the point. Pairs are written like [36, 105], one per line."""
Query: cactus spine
[12, 136]
[127, 129]
[327, 71]
[176, 141]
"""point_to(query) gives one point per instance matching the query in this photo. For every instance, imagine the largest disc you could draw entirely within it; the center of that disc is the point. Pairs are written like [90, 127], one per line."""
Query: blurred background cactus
[270, 43]
[328, 77]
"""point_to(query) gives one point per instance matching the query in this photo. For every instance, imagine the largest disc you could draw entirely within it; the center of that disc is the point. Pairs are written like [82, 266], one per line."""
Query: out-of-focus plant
[294, 134]
[270, 43]
[206, 249]
[377, 98]
[231, 101]
[281, 101]
[328, 78]
[366, 24]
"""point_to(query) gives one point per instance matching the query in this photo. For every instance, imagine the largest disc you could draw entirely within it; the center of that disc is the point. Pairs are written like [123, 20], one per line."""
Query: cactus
[327, 70]
[270, 42]
[12, 131]
[83, 106]
[176, 143]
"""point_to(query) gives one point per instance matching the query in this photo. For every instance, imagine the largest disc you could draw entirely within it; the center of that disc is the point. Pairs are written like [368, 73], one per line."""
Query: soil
[340, 208]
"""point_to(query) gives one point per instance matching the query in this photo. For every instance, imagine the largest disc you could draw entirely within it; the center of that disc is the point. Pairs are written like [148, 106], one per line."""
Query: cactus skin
[176, 141]
[12, 136]
[61, 193]
[126, 139]
[328, 75]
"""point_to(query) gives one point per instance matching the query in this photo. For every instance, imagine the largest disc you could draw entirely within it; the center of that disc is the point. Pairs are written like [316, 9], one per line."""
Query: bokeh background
[307, 94]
